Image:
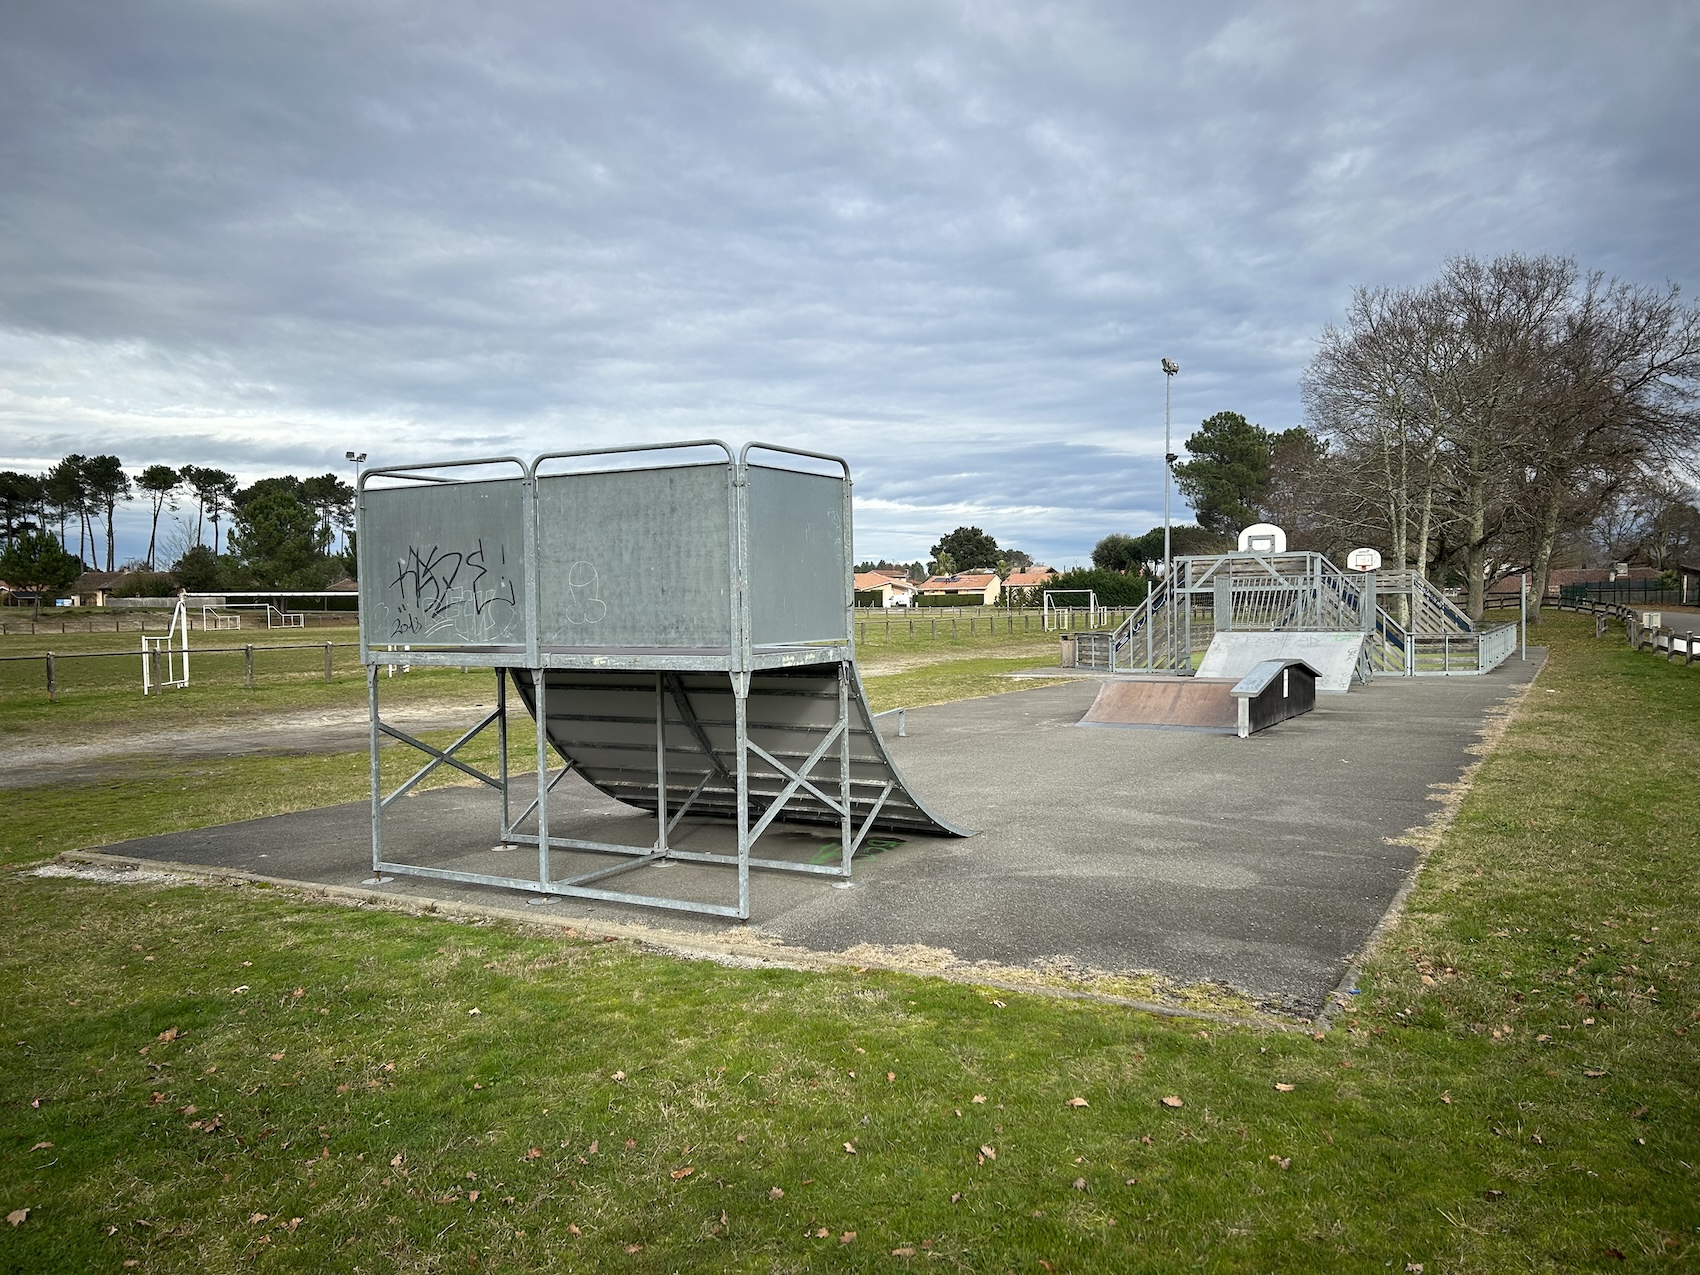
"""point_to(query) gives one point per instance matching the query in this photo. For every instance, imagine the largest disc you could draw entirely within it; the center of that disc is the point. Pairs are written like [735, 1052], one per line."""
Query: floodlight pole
[354, 458]
[1170, 367]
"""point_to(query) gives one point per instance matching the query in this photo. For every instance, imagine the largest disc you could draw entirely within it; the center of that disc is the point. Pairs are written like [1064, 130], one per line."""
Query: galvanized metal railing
[1296, 592]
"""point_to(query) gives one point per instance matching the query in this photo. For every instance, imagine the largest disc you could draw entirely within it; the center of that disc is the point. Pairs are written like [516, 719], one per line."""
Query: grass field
[237, 1078]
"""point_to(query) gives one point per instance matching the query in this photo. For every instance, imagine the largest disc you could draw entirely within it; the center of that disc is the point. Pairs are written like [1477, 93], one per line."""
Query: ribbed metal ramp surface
[604, 723]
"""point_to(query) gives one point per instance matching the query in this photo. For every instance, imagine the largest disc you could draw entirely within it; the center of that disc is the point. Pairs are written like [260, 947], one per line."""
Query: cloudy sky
[950, 241]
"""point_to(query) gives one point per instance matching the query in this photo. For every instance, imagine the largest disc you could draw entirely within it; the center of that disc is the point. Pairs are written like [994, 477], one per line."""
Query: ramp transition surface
[1166, 703]
[1334, 656]
[604, 723]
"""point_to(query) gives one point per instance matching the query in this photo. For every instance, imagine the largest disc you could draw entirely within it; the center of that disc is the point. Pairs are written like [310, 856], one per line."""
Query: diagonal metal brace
[548, 787]
[688, 716]
[832, 803]
[439, 756]
[797, 780]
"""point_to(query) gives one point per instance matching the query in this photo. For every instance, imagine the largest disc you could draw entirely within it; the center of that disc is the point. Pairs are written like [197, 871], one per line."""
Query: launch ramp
[678, 622]
[1166, 703]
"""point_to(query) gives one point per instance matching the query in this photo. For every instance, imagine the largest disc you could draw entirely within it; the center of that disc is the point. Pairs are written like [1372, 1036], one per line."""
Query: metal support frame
[673, 710]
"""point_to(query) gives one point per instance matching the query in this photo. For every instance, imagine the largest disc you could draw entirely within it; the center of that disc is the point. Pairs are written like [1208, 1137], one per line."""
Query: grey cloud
[948, 240]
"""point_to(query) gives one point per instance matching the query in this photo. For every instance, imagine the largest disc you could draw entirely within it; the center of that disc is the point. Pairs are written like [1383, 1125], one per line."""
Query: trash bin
[1068, 650]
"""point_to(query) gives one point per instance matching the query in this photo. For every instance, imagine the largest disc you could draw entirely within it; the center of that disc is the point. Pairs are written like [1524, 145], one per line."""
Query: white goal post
[1063, 616]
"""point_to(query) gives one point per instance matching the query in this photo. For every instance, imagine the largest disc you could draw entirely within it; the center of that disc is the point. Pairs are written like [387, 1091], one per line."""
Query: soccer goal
[165, 657]
[1062, 616]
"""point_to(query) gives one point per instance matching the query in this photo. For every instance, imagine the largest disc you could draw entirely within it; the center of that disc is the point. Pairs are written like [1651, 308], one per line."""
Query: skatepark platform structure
[676, 618]
[1410, 628]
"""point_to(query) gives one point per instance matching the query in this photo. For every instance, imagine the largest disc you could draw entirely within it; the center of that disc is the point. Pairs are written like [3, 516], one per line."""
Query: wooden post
[52, 677]
[1688, 649]
[328, 662]
[248, 665]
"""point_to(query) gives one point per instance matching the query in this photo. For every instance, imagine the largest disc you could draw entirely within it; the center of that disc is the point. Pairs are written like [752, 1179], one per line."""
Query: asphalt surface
[1262, 864]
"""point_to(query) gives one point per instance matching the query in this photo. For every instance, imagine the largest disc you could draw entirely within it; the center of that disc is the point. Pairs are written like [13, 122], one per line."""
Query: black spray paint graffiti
[454, 592]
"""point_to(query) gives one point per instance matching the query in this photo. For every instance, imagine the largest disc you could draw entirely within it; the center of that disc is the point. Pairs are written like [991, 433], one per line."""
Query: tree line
[1510, 416]
[281, 532]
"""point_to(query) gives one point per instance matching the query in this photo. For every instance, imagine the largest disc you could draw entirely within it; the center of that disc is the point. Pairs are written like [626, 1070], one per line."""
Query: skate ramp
[1334, 656]
[604, 723]
[1166, 703]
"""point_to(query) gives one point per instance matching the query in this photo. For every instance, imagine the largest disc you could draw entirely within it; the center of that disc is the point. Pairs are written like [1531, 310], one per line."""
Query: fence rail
[50, 660]
[1665, 638]
[149, 620]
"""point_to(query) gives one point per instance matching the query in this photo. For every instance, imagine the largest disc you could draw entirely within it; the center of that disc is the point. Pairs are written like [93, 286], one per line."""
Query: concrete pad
[1263, 863]
[1334, 656]
[1165, 703]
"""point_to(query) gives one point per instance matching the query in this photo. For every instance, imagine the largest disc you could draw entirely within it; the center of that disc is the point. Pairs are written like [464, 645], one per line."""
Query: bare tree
[1479, 421]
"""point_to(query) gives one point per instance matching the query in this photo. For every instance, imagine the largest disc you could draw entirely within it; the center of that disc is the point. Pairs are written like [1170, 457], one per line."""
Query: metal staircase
[1412, 628]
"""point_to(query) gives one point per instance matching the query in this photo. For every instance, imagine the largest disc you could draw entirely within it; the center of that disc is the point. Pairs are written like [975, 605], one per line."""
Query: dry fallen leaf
[822, 1233]
[1145, 1139]
[396, 1163]
[846, 1237]
[475, 1012]
[472, 1197]
[1078, 1102]
[849, 1149]
[1080, 1184]
[254, 1219]
[1283, 1088]
[41, 1146]
[1413, 1268]
[1593, 1074]
[170, 1033]
[979, 1097]
[988, 1152]
[1447, 1097]
[956, 1197]
[632, 1142]
[633, 1248]
[776, 1194]
[905, 1251]
[595, 1145]
[1173, 1100]
[17, 1216]
[573, 1230]
[533, 1153]
[680, 1174]
[1285, 1162]
[890, 1076]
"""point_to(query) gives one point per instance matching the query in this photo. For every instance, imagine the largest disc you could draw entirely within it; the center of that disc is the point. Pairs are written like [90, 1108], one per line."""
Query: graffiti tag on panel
[584, 595]
[463, 594]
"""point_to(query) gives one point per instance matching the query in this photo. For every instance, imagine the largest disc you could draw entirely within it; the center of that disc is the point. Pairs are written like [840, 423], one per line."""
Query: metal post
[540, 693]
[377, 776]
[1523, 604]
[660, 766]
[844, 831]
[741, 731]
[502, 746]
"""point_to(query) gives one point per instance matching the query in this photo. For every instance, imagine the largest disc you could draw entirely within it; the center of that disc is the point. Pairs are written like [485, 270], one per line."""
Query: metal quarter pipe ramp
[679, 628]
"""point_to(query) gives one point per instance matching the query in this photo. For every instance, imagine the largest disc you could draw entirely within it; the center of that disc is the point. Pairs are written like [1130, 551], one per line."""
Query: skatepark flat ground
[1262, 864]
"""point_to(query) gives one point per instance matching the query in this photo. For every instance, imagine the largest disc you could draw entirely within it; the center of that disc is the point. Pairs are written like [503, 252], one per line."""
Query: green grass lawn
[232, 1078]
